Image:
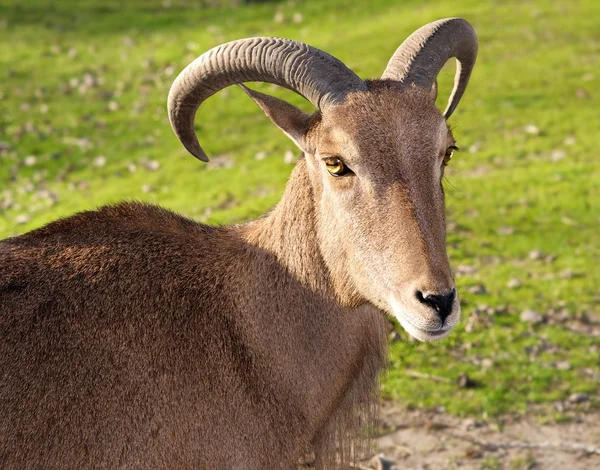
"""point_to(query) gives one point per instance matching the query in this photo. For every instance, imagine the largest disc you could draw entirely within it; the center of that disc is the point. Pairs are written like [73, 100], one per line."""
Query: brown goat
[132, 337]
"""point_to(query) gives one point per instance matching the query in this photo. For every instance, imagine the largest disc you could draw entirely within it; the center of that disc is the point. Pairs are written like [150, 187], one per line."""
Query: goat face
[382, 219]
[375, 164]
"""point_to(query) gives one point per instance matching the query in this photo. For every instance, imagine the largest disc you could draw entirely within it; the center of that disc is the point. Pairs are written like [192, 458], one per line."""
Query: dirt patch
[429, 440]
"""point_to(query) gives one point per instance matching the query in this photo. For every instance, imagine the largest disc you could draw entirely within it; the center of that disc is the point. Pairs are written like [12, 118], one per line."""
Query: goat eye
[336, 167]
[448, 154]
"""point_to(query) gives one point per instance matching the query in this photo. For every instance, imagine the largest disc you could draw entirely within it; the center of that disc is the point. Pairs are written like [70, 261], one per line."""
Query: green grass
[509, 192]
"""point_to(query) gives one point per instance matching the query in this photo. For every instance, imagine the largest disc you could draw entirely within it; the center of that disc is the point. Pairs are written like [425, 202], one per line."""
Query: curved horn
[420, 58]
[314, 74]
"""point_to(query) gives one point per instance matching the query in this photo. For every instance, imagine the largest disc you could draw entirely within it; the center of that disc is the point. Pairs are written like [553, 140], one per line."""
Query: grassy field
[83, 123]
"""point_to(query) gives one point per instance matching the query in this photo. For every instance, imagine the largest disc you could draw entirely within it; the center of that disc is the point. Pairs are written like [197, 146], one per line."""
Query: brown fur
[131, 337]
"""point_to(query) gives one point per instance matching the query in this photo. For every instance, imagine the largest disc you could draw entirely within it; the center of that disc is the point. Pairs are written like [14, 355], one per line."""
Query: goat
[132, 337]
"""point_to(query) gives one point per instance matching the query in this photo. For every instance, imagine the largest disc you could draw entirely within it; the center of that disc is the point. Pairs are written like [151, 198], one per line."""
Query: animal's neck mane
[290, 234]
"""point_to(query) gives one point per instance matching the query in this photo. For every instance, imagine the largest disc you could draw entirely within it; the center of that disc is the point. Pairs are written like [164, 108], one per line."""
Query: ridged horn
[420, 58]
[319, 77]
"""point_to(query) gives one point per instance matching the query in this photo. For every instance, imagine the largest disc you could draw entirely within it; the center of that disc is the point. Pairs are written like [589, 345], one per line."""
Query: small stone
[212, 29]
[475, 147]
[514, 283]
[477, 289]
[379, 462]
[297, 18]
[570, 141]
[89, 80]
[531, 316]
[470, 423]
[153, 165]
[567, 274]
[220, 161]
[147, 188]
[471, 452]
[27, 187]
[583, 318]
[505, 230]
[532, 129]
[561, 315]
[113, 106]
[22, 219]
[99, 161]
[578, 398]
[465, 270]
[559, 406]
[563, 365]
[262, 191]
[289, 157]
[536, 255]
[487, 363]
[279, 18]
[395, 337]
[470, 326]
[169, 70]
[260, 155]
[464, 381]
[30, 160]
[558, 155]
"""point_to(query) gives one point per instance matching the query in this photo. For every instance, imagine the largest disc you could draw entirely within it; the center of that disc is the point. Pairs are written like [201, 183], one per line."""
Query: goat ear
[434, 90]
[292, 121]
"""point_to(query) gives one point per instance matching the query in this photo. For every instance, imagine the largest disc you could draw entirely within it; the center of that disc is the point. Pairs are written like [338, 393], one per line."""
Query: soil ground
[429, 440]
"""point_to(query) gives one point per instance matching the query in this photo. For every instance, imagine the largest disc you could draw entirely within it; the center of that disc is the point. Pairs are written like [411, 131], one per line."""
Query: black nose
[441, 303]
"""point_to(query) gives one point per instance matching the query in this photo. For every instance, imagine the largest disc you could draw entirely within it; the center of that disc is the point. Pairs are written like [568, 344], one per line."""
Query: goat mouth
[422, 334]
